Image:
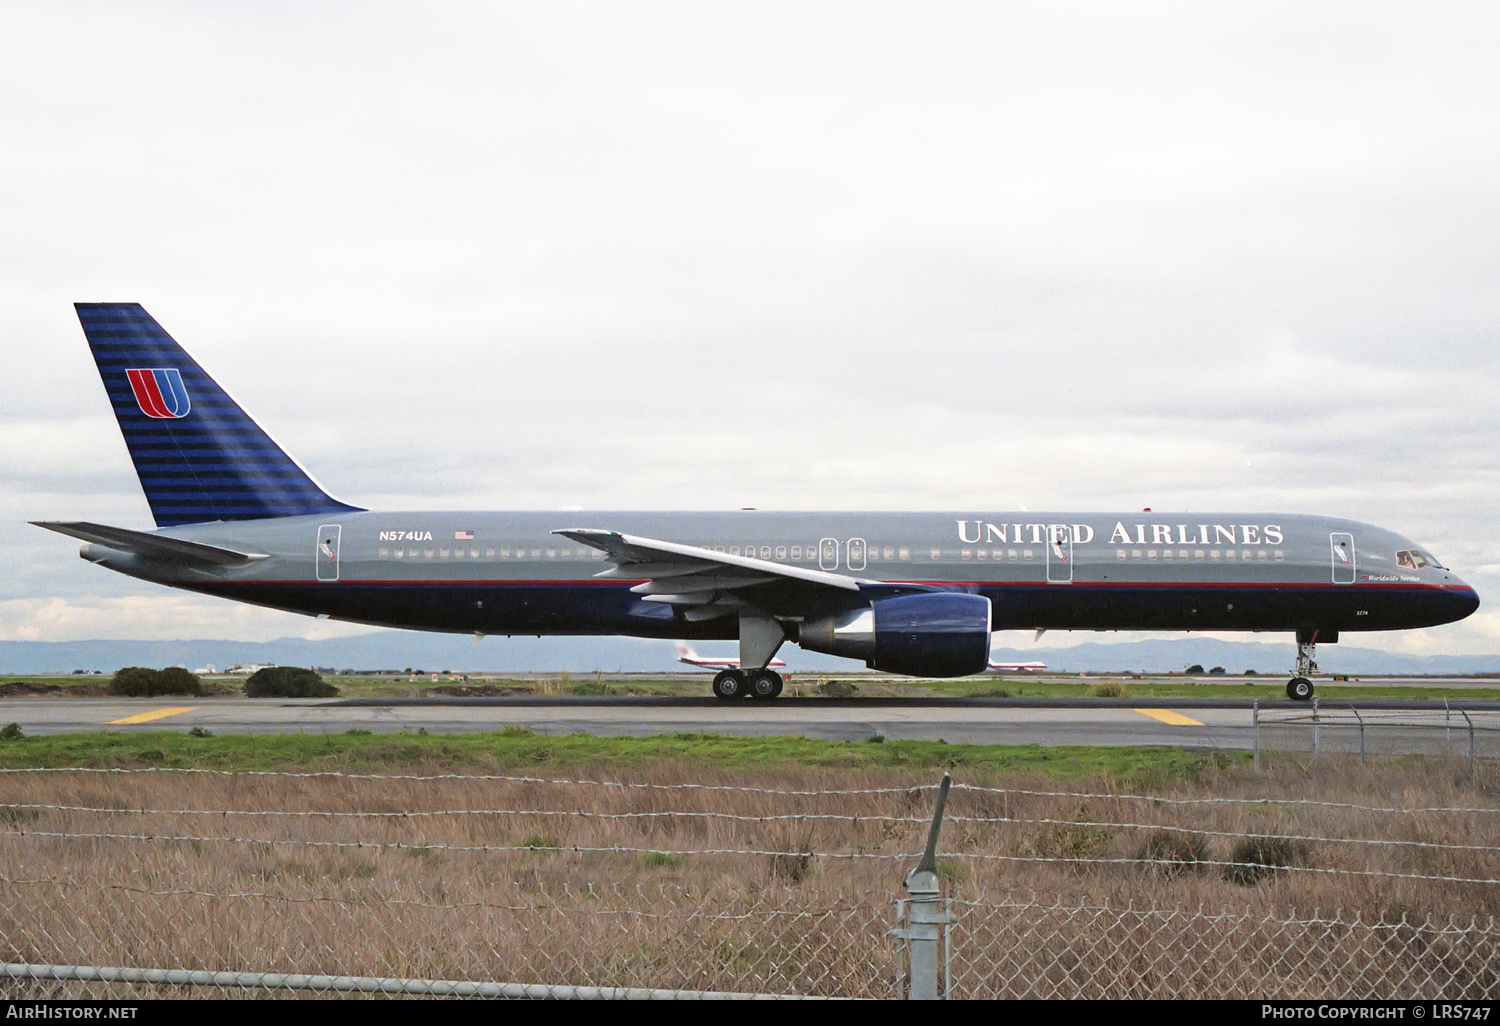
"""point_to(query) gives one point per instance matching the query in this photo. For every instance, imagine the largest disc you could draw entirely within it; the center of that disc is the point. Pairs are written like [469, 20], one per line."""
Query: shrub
[1173, 853]
[792, 857]
[1077, 840]
[1258, 858]
[288, 682]
[11, 732]
[140, 681]
[1195, 668]
[1107, 689]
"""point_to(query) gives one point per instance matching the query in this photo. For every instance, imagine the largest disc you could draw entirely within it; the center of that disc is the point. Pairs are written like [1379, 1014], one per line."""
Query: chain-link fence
[607, 939]
[1317, 727]
[1028, 948]
[129, 884]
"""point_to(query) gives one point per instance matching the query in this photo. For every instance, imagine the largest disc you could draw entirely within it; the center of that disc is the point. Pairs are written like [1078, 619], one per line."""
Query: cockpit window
[1416, 559]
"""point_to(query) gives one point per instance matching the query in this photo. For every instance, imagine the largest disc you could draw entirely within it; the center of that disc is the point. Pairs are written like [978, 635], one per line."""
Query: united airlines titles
[985, 532]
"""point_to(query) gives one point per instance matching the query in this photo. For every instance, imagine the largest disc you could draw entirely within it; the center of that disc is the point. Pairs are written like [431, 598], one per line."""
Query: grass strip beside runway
[519, 749]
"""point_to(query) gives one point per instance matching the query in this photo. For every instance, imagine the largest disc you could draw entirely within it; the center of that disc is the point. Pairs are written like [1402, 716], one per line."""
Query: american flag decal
[463, 535]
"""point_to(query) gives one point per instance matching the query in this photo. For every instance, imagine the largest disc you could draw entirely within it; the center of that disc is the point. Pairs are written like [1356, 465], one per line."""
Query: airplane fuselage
[507, 573]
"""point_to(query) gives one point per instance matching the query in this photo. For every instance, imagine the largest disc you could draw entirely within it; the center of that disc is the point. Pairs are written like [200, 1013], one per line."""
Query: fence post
[928, 914]
[1255, 721]
[1361, 720]
[1470, 722]
[1315, 724]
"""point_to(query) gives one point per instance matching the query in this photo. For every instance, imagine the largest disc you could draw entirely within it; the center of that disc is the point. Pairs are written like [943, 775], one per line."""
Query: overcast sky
[972, 257]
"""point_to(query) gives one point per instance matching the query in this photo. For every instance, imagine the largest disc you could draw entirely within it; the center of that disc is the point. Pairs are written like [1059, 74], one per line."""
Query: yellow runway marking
[1168, 716]
[154, 714]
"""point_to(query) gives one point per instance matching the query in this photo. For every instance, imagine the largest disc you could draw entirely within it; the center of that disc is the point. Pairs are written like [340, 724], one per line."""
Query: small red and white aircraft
[685, 654]
[1017, 666]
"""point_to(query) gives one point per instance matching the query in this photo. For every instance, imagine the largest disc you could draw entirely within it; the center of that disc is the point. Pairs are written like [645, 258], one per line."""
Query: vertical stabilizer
[198, 455]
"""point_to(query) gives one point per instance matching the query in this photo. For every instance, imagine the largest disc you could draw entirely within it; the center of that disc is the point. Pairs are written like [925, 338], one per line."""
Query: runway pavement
[1423, 725]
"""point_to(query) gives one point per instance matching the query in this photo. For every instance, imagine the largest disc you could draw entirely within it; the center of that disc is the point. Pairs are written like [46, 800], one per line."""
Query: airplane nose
[1461, 599]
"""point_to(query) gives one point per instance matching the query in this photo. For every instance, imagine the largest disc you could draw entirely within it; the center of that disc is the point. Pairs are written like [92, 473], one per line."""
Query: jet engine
[934, 634]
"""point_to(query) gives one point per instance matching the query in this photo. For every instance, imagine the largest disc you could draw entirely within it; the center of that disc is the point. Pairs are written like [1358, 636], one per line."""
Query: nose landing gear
[1300, 688]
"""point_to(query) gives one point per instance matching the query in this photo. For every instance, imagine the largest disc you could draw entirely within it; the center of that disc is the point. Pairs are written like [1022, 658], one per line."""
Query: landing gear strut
[760, 637]
[1300, 688]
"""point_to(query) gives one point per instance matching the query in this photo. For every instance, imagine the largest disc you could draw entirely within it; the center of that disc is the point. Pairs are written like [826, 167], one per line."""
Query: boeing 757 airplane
[907, 593]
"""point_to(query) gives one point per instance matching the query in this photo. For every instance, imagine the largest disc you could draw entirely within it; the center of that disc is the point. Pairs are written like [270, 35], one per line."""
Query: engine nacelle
[933, 634]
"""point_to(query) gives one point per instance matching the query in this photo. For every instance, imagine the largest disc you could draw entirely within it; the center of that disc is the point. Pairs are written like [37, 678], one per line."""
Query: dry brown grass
[582, 881]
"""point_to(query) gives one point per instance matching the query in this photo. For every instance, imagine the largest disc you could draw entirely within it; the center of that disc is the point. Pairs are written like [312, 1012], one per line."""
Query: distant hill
[432, 652]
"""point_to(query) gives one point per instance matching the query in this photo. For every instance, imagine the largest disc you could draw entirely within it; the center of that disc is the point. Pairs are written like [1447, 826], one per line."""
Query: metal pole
[1255, 722]
[1315, 726]
[1361, 720]
[928, 912]
[1470, 722]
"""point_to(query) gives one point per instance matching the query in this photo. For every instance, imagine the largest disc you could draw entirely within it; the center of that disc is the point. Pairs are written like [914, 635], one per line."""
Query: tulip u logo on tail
[159, 392]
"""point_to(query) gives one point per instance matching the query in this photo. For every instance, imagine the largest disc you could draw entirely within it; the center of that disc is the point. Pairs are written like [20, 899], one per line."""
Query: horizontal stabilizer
[151, 546]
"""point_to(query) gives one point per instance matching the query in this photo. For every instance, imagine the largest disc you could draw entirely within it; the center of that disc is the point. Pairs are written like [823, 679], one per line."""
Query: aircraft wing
[700, 581]
[151, 546]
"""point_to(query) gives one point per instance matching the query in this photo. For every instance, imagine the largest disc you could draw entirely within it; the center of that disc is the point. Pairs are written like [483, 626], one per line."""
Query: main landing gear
[1300, 688]
[729, 684]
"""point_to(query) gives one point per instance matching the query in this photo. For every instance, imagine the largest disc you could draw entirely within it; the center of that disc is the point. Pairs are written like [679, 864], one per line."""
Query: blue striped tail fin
[199, 456]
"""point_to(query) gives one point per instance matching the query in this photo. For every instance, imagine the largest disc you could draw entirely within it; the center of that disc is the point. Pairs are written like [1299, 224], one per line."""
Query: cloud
[1076, 257]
